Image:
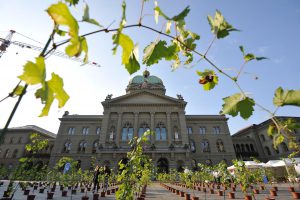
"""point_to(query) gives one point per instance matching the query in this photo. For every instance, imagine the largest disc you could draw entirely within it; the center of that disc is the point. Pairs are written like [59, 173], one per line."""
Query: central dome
[145, 81]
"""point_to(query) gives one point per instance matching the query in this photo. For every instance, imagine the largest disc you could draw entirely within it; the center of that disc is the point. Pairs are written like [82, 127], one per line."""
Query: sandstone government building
[180, 140]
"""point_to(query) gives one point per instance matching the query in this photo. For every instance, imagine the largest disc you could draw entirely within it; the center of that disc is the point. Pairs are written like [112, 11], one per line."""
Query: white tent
[283, 162]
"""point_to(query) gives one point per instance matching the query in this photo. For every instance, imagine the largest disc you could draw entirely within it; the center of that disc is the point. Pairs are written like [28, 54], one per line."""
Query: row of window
[205, 147]
[243, 148]
[13, 140]
[7, 153]
[84, 131]
[203, 130]
[283, 147]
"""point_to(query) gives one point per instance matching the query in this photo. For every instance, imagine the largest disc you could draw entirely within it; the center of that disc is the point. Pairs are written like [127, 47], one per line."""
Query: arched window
[267, 150]
[82, 146]
[205, 146]
[176, 134]
[192, 146]
[127, 132]
[161, 132]
[15, 153]
[95, 146]
[247, 148]
[220, 146]
[143, 128]
[252, 148]
[6, 154]
[243, 147]
[98, 130]
[284, 147]
[20, 140]
[67, 147]
[262, 137]
[238, 149]
[112, 133]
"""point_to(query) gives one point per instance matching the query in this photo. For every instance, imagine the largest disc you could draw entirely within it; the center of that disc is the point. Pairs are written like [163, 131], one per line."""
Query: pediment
[144, 98]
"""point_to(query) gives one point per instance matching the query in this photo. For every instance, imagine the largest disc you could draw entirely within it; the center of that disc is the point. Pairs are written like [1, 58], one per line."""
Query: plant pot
[85, 198]
[6, 193]
[35, 187]
[102, 194]
[262, 187]
[204, 189]
[233, 189]
[187, 196]
[41, 190]
[195, 198]
[177, 192]
[113, 190]
[108, 192]
[231, 195]
[296, 195]
[31, 197]
[74, 191]
[255, 191]
[182, 193]
[96, 196]
[53, 189]
[291, 189]
[273, 193]
[82, 190]
[220, 193]
[88, 189]
[64, 193]
[269, 198]
[211, 191]
[275, 188]
[50, 195]
[248, 197]
[26, 192]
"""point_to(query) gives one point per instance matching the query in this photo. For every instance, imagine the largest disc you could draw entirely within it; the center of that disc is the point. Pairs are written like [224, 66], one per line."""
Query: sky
[267, 28]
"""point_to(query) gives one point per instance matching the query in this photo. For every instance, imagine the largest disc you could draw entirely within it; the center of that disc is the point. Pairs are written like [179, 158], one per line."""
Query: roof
[139, 79]
[35, 128]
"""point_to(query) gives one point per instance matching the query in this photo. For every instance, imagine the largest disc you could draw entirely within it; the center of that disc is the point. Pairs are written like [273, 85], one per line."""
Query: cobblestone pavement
[156, 192]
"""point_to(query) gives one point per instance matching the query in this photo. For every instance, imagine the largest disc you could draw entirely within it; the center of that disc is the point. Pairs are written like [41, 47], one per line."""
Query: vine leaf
[168, 27]
[34, 73]
[127, 45]
[77, 46]
[158, 50]
[176, 18]
[286, 97]
[208, 79]
[237, 103]
[250, 56]
[52, 89]
[116, 37]
[219, 26]
[72, 2]
[18, 91]
[86, 16]
[133, 65]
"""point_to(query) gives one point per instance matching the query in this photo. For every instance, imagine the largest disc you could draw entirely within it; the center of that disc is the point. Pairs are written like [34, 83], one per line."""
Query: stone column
[135, 125]
[169, 129]
[152, 126]
[104, 128]
[183, 131]
[119, 128]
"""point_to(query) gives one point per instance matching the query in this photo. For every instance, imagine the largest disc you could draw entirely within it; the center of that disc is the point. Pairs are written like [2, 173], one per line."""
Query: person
[96, 178]
[106, 176]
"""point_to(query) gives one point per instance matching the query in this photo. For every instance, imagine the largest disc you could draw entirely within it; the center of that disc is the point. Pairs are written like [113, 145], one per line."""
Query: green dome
[141, 79]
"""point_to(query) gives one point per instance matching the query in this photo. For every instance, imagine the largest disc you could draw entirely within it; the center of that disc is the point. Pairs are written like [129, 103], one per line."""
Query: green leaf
[237, 103]
[181, 15]
[278, 139]
[133, 65]
[271, 130]
[286, 97]
[60, 32]
[176, 18]
[52, 89]
[242, 50]
[260, 58]
[219, 26]
[168, 27]
[76, 46]
[116, 37]
[86, 16]
[72, 2]
[18, 91]
[208, 79]
[249, 57]
[85, 49]
[62, 16]
[34, 73]
[156, 12]
[127, 45]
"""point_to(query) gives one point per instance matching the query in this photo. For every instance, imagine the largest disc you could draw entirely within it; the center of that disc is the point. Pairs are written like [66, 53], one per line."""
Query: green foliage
[34, 73]
[176, 18]
[18, 91]
[286, 97]
[208, 79]
[37, 143]
[219, 26]
[238, 103]
[72, 2]
[133, 65]
[86, 16]
[116, 37]
[250, 56]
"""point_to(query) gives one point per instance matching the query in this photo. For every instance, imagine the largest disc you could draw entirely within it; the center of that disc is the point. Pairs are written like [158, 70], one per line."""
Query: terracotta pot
[26, 192]
[204, 189]
[177, 192]
[113, 190]
[248, 197]
[53, 189]
[233, 189]
[50, 195]
[291, 189]
[187, 196]
[296, 195]
[273, 193]
[182, 193]
[96, 196]
[262, 187]
[275, 188]
[140, 198]
[231, 195]
[102, 194]
[108, 192]
[31, 197]
[82, 190]
[255, 191]
[42, 190]
[64, 193]
[220, 193]
[195, 198]
[269, 198]
[199, 188]
[212, 191]
[74, 191]
[85, 198]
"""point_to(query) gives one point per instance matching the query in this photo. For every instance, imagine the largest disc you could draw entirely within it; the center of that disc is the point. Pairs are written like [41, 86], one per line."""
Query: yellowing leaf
[208, 79]
[133, 65]
[127, 44]
[286, 97]
[52, 89]
[116, 37]
[34, 73]
[18, 90]
[168, 27]
[61, 16]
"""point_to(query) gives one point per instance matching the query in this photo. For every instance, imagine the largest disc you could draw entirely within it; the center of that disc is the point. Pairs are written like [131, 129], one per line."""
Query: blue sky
[268, 28]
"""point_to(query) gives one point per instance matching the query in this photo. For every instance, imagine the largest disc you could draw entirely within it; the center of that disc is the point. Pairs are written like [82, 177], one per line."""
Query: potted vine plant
[225, 178]
[185, 177]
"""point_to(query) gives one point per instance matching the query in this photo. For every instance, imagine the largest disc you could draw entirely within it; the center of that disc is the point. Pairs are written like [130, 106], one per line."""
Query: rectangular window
[124, 134]
[85, 130]
[157, 133]
[163, 134]
[141, 132]
[98, 130]
[189, 130]
[202, 130]
[130, 133]
[216, 130]
[71, 131]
